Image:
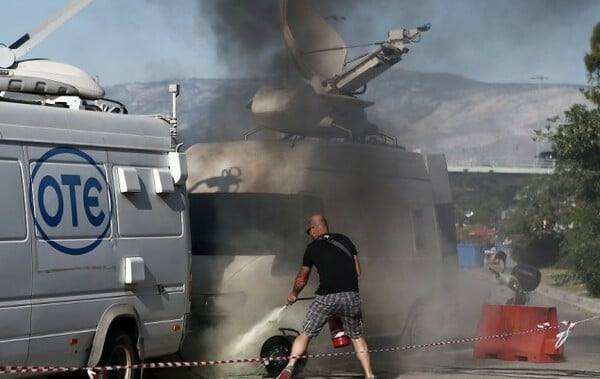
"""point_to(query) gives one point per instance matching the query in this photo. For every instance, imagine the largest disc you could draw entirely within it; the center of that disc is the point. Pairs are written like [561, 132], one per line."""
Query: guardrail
[535, 166]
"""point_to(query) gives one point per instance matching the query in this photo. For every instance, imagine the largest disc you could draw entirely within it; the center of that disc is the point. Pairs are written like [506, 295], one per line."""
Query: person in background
[500, 259]
[336, 259]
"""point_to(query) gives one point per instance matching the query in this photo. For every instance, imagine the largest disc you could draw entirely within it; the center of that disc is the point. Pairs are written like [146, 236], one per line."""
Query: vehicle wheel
[119, 350]
[279, 346]
[414, 328]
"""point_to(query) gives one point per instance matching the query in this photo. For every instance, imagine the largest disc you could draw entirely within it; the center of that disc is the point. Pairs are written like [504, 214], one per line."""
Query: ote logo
[70, 202]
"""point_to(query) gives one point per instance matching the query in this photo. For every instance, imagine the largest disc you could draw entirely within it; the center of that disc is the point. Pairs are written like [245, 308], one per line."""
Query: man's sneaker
[286, 373]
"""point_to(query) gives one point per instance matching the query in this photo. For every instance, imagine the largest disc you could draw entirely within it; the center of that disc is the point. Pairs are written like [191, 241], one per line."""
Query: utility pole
[539, 78]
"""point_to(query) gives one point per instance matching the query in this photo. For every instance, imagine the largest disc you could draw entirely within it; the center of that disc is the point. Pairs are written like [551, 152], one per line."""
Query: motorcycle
[515, 287]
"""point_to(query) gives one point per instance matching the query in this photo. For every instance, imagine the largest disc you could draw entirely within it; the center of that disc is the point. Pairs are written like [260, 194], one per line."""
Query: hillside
[434, 112]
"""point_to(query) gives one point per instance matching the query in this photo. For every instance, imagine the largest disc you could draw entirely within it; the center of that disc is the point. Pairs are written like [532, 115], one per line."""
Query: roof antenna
[174, 91]
[42, 76]
[8, 55]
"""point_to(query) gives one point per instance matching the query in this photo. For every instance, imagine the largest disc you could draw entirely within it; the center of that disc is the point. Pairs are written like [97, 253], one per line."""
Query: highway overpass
[512, 167]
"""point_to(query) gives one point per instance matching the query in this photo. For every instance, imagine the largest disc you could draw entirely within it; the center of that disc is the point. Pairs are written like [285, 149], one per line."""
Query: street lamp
[539, 78]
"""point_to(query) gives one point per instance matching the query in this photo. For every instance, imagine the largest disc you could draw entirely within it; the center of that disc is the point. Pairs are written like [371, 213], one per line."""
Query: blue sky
[151, 40]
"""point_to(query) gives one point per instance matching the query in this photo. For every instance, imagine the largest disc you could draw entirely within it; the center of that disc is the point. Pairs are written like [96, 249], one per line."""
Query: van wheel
[119, 351]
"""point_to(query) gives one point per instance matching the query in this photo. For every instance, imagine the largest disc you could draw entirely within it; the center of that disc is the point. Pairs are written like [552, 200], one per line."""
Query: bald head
[317, 226]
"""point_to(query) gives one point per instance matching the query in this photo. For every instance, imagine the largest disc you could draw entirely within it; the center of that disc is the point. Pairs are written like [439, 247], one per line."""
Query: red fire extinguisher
[338, 335]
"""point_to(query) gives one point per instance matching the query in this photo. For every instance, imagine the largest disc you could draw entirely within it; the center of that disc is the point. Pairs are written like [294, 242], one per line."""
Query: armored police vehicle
[94, 240]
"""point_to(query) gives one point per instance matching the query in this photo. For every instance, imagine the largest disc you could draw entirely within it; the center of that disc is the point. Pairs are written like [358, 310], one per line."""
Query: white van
[94, 240]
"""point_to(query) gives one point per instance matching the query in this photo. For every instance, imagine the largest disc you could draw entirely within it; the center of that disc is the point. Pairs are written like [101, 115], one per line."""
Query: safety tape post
[92, 371]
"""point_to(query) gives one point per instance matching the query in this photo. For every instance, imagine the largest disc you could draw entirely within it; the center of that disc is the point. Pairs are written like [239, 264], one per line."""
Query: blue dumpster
[470, 254]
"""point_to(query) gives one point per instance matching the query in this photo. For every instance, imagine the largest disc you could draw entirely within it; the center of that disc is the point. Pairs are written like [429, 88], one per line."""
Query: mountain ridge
[434, 112]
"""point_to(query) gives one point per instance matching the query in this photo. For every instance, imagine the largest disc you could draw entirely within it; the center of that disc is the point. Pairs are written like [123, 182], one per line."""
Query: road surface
[581, 356]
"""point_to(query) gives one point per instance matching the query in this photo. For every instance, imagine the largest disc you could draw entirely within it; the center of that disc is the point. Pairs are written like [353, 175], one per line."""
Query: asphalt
[456, 361]
[464, 367]
[488, 368]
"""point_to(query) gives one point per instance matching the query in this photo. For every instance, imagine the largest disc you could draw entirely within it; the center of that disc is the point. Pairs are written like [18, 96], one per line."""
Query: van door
[15, 259]
[74, 267]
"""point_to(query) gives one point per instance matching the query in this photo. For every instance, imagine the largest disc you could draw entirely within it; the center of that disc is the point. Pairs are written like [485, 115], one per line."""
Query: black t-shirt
[337, 271]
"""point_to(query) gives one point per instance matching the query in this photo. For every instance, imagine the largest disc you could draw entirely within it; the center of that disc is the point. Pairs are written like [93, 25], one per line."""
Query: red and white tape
[92, 371]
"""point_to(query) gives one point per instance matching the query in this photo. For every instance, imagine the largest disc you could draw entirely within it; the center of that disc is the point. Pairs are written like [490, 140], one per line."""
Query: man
[500, 258]
[335, 257]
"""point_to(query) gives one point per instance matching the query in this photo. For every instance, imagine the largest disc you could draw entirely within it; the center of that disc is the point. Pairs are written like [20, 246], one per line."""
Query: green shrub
[588, 267]
[539, 251]
[564, 278]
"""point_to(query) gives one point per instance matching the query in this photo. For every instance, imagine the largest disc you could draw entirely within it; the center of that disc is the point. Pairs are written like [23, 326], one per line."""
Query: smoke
[248, 38]
[371, 193]
[247, 308]
[257, 331]
[482, 40]
[485, 40]
[248, 33]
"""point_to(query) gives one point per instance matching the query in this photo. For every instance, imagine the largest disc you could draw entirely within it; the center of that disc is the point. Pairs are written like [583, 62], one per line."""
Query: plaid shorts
[346, 305]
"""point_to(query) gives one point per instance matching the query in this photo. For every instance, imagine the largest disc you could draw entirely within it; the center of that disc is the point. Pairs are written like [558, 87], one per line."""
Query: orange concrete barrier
[536, 346]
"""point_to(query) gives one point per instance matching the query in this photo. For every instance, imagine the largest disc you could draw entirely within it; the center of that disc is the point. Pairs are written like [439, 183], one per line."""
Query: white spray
[256, 331]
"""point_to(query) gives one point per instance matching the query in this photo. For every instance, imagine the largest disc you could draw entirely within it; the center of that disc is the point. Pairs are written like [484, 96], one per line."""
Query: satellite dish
[305, 30]
[326, 105]
[42, 76]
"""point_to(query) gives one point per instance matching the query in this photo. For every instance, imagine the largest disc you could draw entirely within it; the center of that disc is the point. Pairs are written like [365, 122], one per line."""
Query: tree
[533, 227]
[482, 194]
[577, 144]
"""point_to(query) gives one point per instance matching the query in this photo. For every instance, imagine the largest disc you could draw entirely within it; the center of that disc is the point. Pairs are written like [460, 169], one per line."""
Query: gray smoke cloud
[483, 38]
[366, 203]
[480, 40]
[247, 33]
[249, 43]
